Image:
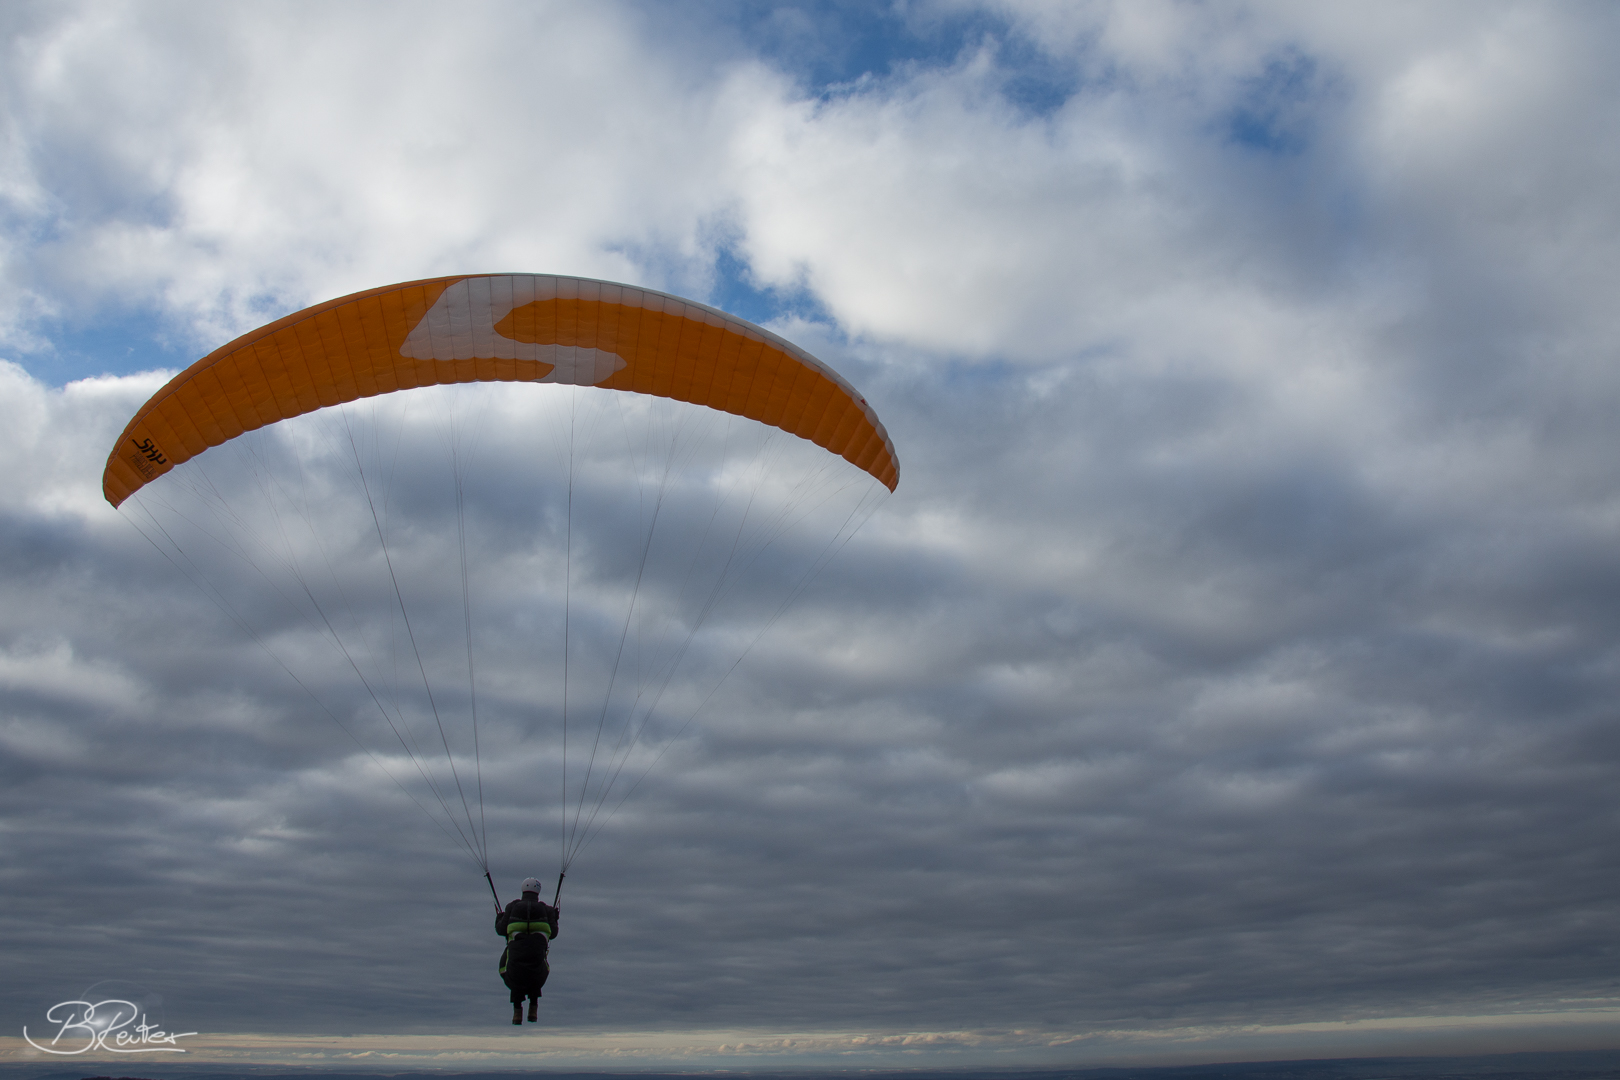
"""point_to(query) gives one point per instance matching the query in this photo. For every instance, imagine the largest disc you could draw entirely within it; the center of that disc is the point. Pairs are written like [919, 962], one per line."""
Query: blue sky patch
[830, 44]
[115, 341]
[735, 292]
[1275, 113]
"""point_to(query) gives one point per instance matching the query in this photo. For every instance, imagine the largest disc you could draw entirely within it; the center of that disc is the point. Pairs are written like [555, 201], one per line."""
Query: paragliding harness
[528, 926]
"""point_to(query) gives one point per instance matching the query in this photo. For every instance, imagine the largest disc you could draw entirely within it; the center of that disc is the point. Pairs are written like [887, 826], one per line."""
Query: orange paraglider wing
[507, 328]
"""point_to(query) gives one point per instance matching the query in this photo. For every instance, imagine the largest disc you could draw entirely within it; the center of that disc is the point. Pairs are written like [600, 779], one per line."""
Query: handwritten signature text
[106, 1025]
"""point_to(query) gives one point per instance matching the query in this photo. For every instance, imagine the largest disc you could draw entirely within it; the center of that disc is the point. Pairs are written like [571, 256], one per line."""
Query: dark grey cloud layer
[1238, 648]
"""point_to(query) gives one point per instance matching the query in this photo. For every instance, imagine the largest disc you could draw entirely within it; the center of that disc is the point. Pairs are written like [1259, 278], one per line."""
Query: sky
[1233, 670]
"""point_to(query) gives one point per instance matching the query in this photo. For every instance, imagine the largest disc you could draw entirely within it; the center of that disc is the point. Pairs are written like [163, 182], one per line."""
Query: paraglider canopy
[632, 572]
[505, 327]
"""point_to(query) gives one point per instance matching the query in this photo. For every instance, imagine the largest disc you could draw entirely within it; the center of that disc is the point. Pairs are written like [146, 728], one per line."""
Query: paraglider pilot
[528, 925]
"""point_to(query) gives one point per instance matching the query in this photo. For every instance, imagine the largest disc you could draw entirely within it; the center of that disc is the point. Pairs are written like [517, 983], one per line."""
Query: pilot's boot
[534, 1010]
[517, 1012]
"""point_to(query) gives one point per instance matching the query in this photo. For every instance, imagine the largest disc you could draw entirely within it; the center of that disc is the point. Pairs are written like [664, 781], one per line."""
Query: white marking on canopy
[461, 326]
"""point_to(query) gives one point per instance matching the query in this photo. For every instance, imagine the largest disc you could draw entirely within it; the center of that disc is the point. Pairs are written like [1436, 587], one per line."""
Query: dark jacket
[527, 926]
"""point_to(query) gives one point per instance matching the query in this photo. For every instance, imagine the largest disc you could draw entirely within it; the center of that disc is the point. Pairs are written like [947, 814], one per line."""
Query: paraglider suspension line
[496, 895]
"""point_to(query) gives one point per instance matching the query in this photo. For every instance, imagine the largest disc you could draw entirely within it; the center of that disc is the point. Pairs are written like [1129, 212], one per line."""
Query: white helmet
[532, 884]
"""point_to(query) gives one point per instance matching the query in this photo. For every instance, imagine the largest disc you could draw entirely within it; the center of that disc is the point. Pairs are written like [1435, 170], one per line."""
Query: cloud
[1237, 650]
[271, 160]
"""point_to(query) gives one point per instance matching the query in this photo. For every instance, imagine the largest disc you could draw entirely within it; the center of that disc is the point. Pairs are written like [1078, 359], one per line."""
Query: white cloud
[271, 160]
